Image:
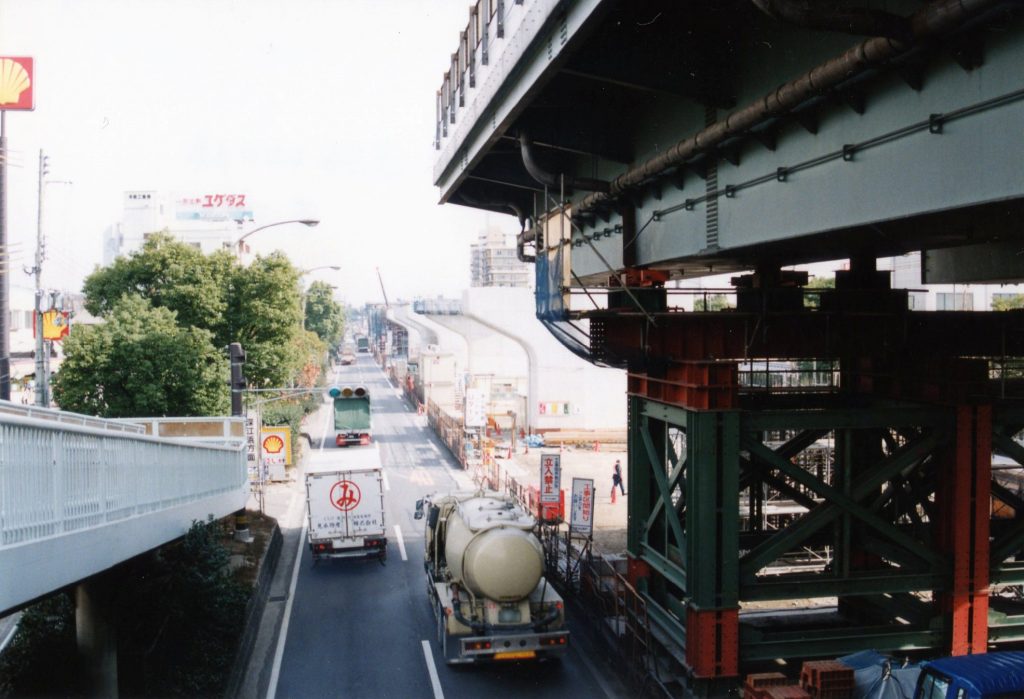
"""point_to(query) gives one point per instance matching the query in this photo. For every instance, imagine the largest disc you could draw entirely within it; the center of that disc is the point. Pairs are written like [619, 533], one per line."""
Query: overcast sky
[314, 108]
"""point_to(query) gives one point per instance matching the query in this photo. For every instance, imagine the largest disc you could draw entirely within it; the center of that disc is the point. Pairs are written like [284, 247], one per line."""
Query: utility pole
[42, 377]
[5, 283]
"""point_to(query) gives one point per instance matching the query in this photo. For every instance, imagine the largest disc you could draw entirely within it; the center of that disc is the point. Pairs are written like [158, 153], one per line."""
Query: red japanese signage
[16, 83]
[550, 478]
[345, 495]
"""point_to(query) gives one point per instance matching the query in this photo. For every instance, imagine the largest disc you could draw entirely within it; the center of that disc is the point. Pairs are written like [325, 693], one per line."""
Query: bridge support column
[711, 530]
[96, 631]
[964, 498]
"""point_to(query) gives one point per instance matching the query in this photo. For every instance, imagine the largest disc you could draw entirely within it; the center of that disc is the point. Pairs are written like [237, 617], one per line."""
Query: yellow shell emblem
[13, 81]
[273, 444]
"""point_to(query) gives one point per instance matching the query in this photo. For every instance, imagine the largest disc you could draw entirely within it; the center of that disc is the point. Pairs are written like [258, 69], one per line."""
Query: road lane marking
[10, 636]
[384, 476]
[327, 424]
[435, 682]
[401, 542]
[275, 673]
[434, 447]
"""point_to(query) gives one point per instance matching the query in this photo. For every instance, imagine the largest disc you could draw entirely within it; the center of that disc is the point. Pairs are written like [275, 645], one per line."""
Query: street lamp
[304, 221]
[304, 272]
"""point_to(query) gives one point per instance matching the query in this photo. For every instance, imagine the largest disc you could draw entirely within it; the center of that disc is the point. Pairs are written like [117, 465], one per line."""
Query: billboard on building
[212, 207]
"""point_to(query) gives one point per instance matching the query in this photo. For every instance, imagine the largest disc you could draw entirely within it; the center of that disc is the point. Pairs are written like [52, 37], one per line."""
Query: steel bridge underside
[641, 143]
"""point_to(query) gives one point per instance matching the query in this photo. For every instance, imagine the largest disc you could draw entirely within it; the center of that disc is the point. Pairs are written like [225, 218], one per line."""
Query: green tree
[715, 302]
[257, 305]
[265, 316]
[324, 315]
[814, 300]
[179, 618]
[171, 274]
[1008, 302]
[140, 362]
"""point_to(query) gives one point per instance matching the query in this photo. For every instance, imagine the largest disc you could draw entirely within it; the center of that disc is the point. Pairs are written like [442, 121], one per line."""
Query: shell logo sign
[16, 83]
[276, 445]
[273, 444]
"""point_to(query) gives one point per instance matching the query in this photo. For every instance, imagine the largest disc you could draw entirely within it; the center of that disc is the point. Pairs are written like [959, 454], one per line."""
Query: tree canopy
[170, 314]
[141, 362]
[324, 315]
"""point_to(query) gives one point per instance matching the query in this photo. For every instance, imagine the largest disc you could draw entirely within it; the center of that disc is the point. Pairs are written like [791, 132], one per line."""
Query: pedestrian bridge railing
[80, 494]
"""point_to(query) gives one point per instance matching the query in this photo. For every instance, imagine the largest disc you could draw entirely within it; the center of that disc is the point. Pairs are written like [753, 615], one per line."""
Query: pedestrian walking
[617, 479]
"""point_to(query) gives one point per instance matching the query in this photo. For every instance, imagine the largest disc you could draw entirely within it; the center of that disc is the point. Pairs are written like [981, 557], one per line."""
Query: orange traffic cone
[613, 494]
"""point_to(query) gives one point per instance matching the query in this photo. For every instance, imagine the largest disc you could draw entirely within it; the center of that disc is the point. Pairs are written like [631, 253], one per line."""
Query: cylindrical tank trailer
[485, 570]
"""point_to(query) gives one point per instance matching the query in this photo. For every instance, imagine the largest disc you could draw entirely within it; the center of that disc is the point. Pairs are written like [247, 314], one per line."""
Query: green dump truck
[352, 421]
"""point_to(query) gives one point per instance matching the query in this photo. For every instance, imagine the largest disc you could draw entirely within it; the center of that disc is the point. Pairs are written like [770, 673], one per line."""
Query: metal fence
[59, 474]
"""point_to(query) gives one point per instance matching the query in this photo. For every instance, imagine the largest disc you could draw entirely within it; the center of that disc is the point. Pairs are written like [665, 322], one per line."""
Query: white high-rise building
[493, 262]
[208, 222]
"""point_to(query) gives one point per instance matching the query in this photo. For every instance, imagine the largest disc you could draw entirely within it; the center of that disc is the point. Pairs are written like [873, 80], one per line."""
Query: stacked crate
[789, 691]
[827, 679]
[757, 684]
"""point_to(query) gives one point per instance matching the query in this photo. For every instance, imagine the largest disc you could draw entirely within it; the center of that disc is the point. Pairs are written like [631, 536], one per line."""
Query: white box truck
[345, 502]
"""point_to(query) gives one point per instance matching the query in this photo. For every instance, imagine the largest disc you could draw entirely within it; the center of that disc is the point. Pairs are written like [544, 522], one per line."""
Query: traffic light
[237, 355]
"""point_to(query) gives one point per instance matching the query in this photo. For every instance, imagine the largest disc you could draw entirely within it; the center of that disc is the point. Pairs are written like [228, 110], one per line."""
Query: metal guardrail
[63, 473]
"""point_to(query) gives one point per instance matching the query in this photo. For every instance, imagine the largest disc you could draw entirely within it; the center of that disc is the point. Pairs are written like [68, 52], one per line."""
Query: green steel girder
[657, 471]
[875, 582]
[1007, 574]
[879, 417]
[835, 641]
[678, 468]
[871, 479]
[712, 516]
[782, 486]
[668, 568]
[835, 498]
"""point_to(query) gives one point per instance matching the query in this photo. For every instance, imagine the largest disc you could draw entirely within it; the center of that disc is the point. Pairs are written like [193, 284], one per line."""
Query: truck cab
[984, 676]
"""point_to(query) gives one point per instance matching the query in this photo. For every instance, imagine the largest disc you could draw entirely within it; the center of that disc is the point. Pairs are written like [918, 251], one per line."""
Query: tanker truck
[485, 580]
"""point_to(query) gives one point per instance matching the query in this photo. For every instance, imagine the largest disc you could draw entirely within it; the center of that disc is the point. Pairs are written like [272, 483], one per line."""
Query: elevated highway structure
[644, 143]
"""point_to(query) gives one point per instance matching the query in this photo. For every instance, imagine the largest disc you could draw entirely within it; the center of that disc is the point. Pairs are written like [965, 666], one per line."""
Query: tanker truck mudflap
[485, 582]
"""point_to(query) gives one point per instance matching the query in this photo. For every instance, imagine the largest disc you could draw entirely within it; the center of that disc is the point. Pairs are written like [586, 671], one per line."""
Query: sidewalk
[284, 502]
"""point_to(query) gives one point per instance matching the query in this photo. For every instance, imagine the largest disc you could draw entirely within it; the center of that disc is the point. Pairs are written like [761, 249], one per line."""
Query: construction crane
[384, 293]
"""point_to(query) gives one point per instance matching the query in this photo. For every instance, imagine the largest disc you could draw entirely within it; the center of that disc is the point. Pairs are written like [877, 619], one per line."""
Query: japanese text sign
[582, 517]
[550, 477]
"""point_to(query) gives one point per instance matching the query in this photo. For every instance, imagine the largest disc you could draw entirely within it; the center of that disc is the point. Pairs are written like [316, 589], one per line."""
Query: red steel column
[965, 502]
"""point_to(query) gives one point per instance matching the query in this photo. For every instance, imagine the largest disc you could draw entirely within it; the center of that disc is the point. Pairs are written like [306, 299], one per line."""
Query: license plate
[516, 655]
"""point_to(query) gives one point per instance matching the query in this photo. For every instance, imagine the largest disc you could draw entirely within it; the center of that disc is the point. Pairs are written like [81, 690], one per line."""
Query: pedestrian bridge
[80, 494]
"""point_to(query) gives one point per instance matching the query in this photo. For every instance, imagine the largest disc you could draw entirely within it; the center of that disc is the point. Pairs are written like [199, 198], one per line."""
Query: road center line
[435, 682]
[401, 542]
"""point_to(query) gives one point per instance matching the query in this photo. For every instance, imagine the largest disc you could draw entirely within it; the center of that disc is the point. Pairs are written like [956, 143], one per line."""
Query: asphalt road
[362, 629]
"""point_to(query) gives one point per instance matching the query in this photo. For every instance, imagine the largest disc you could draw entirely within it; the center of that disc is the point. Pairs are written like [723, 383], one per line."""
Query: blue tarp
[873, 681]
[548, 293]
[987, 673]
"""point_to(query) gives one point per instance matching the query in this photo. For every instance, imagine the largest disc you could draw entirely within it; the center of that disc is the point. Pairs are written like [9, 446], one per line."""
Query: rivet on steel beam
[782, 174]
[848, 150]
[935, 122]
